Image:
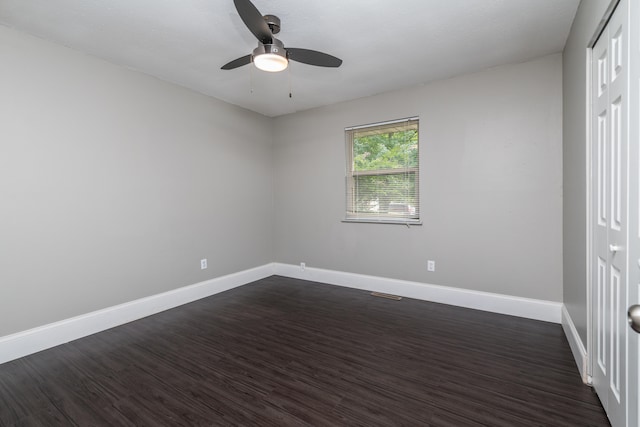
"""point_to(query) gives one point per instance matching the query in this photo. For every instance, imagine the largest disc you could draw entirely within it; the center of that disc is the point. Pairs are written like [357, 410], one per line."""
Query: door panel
[601, 317]
[616, 359]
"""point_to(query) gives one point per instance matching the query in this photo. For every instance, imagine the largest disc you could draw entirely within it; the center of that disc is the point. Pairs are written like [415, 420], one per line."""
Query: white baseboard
[548, 311]
[41, 338]
[577, 347]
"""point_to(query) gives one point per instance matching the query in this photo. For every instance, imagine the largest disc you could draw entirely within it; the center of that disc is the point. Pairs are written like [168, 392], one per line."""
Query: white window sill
[407, 222]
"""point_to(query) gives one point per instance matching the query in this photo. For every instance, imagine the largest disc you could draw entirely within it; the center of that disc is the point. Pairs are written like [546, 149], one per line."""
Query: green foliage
[391, 150]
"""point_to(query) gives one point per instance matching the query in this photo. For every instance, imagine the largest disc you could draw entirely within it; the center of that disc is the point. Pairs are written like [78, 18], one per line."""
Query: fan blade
[313, 57]
[254, 21]
[237, 63]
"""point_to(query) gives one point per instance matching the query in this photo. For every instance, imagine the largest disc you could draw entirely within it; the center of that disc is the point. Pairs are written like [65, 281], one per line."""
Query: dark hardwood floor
[282, 352]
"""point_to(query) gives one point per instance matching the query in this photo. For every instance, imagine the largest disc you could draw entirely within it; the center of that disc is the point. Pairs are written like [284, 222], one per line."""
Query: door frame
[633, 339]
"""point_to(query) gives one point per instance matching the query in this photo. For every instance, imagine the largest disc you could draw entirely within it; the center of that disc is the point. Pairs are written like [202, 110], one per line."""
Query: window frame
[351, 215]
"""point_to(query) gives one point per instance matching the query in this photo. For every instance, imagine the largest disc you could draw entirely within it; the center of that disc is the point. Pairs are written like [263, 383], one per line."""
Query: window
[382, 172]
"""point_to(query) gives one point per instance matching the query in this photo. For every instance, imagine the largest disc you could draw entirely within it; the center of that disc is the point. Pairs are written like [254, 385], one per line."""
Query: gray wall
[491, 159]
[574, 62]
[115, 184]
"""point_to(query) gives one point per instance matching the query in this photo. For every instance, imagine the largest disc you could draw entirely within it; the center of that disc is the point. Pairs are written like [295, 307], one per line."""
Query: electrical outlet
[203, 264]
[431, 265]
[302, 266]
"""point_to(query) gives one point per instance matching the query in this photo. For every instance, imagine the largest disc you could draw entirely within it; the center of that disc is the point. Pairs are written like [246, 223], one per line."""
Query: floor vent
[387, 296]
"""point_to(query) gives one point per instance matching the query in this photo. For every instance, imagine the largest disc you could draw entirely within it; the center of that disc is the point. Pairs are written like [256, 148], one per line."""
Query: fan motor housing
[276, 48]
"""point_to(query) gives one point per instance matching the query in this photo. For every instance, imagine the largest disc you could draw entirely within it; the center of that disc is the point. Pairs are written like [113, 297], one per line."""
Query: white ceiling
[385, 45]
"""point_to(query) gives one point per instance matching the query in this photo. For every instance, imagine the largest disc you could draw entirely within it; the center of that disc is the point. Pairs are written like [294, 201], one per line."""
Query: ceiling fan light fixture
[271, 62]
[271, 57]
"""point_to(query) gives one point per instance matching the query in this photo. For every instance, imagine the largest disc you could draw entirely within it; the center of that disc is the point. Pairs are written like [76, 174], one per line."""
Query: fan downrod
[273, 22]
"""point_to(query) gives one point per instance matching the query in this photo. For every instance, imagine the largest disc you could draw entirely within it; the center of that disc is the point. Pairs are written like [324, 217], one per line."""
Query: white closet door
[610, 255]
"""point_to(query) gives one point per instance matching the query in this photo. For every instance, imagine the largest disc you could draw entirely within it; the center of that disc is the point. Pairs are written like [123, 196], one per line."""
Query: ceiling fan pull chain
[251, 79]
[289, 81]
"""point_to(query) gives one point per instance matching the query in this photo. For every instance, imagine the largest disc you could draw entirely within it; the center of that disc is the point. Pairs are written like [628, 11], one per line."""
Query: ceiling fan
[271, 55]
